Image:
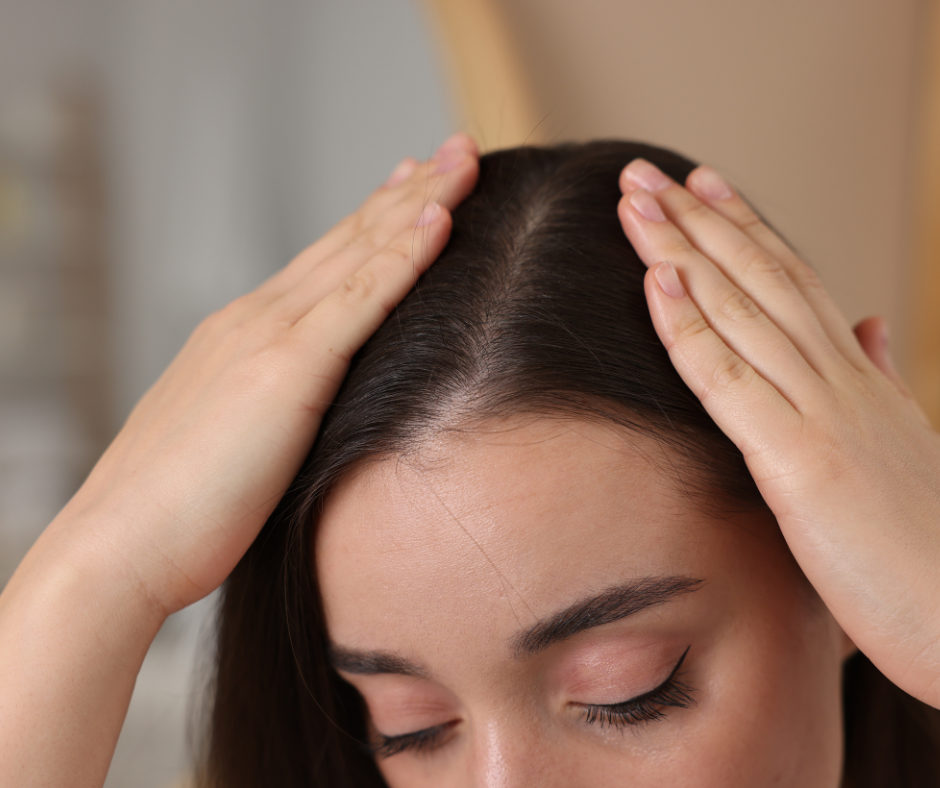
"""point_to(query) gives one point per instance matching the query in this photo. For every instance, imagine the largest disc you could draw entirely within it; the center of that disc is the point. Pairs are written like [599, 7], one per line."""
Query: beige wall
[806, 105]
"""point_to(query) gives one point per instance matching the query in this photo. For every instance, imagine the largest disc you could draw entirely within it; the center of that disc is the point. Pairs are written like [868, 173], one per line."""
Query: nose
[507, 756]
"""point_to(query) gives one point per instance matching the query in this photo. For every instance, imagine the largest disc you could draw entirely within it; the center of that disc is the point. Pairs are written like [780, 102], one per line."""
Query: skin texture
[442, 557]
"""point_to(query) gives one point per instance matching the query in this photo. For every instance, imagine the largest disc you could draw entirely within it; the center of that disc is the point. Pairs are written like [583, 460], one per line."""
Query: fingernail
[450, 160]
[668, 279]
[710, 185]
[429, 214]
[452, 143]
[401, 173]
[647, 176]
[646, 205]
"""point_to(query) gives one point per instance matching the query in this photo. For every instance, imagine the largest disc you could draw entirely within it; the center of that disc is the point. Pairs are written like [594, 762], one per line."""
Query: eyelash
[418, 742]
[644, 709]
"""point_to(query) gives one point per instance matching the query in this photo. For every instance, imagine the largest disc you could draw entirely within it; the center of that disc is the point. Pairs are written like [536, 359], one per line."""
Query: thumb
[872, 335]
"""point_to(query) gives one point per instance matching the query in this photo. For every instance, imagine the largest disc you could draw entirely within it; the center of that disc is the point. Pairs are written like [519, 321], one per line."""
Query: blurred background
[160, 157]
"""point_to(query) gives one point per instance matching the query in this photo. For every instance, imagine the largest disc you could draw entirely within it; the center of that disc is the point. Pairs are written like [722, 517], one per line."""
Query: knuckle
[400, 252]
[694, 211]
[353, 224]
[231, 315]
[675, 247]
[367, 238]
[732, 371]
[358, 287]
[756, 264]
[749, 221]
[737, 306]
[690, 330]
[212, 323]
[806, 278]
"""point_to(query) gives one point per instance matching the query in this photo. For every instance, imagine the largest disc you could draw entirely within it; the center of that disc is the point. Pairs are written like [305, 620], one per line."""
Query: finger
[730, 312]
[338, 325]
[431, 178]
[740, 400]
[756, 271]
[447, 181]
[446, 159]
[713, 190]
[872, 334]
[413, 242]
[401, 173]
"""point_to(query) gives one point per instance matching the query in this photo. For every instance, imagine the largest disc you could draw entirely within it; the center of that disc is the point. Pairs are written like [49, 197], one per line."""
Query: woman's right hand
[203, 459]
[210, 449]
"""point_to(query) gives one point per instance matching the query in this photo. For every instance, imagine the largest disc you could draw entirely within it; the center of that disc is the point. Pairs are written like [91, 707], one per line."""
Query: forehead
[514, 518]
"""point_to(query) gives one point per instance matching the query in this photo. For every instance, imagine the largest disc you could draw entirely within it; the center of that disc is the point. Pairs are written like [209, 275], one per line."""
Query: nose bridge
[508, 754]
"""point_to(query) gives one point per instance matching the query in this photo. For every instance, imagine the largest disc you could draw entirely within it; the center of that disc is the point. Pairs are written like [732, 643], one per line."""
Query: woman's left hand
[841, 453]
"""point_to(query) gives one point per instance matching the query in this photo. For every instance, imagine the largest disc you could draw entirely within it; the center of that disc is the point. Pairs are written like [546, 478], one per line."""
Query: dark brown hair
[536, 305]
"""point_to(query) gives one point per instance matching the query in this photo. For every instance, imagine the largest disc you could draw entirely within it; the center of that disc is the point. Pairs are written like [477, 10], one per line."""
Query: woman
[518, 538]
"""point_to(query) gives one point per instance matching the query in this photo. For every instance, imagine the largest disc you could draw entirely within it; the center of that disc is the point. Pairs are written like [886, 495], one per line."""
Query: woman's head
[504, 592]
[515, 519]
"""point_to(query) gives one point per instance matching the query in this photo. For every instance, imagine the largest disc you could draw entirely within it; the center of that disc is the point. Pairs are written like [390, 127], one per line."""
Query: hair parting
[535, 307]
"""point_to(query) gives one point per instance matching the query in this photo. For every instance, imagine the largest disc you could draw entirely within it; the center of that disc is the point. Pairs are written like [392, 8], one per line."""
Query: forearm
[190, 480]
[73, 634]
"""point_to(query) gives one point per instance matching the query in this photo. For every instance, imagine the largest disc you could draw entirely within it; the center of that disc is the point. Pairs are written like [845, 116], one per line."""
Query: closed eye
[422, 741]
[645, 708]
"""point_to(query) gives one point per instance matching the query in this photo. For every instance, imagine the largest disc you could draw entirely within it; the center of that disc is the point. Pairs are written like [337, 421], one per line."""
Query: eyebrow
[612, 604]
[372, 663]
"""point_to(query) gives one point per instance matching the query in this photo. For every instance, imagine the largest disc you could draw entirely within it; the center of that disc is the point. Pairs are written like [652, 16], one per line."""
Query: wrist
[74, 631]
[75, 571]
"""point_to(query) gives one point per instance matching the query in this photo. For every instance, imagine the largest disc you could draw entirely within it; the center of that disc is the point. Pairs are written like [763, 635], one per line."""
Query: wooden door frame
[923, 329]
[493, 96]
